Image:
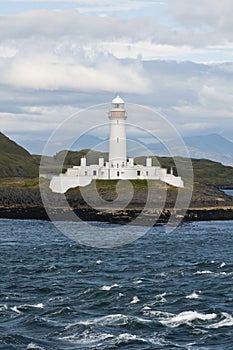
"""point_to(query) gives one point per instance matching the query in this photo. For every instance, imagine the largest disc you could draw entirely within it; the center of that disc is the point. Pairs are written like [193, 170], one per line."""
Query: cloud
[146, 35]
[54, 58]
[50, 72]
[70, 23]
[96, 6]
[206, 16]
[187, 93]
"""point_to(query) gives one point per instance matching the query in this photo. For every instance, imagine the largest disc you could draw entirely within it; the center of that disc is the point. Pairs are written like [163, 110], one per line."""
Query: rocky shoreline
[208, 203]
[116, 217]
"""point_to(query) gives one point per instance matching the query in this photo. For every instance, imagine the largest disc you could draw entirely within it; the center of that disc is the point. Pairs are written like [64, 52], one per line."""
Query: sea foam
[135, 300]
[187, 317]
[33, 346]
[193, 295]
[226, 322]
[107, 288]
[204, 272]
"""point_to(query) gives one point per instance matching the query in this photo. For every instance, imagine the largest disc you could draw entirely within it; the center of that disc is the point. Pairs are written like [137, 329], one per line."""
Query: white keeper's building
[119, 166]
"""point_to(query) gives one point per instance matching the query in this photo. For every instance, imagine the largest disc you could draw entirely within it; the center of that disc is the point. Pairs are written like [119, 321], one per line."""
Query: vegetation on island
[19, 175]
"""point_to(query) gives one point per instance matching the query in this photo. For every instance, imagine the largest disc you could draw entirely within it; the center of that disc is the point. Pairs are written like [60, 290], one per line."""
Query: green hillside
[15, 161]
[65, 159]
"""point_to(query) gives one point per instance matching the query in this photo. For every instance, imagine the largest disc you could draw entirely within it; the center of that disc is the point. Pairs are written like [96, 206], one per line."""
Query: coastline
[22, 199]
[150, 218]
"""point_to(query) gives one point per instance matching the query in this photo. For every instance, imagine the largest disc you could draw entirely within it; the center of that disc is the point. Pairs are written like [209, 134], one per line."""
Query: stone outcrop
[208, 203]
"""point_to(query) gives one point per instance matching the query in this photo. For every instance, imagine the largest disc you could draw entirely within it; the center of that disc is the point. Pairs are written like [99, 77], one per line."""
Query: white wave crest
[126, 337]
[33, 346]
[38, 306]
[114, 319]
[16, 310]
[226, 322]
[159, 314]
[86, 337]
[135, 300]
[137, 281]
[3, 307]
[107, 288]
[187, 317]
[161, 298]
[204, 272]
[193, 295]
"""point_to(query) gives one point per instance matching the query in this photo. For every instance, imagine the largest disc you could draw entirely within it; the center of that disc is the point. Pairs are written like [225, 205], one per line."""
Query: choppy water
[164, 291]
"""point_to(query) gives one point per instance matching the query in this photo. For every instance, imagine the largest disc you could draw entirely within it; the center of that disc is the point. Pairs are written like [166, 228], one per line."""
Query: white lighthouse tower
[117, 167]
[117, 136]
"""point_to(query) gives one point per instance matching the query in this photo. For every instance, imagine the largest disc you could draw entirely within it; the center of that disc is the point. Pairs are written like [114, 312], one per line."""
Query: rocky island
[20, 193]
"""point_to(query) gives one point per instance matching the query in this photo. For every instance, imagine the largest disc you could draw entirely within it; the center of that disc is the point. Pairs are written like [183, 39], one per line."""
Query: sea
[163, 291]
[229, 192]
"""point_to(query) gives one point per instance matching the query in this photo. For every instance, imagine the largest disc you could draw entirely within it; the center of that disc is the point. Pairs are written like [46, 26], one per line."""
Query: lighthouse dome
[118, 103]
[117, 100]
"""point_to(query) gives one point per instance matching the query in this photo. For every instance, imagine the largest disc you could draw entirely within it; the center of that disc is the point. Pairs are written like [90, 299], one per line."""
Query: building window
[147, 173]
[118, 173]
[94, 172]
[117, 121]
[117, 165]
[138, 172]
[85, 173]
[117, 139]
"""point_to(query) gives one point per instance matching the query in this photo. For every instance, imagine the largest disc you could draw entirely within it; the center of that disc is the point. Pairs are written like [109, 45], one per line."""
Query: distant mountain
[213, 147]
[15, 160]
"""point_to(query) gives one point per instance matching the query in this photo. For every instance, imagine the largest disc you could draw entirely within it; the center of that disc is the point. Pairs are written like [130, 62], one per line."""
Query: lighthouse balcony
[117, 114]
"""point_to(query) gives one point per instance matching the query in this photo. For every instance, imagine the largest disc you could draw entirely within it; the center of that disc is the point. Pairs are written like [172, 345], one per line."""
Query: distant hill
[15, 161]
[65, 159]
[213, 147]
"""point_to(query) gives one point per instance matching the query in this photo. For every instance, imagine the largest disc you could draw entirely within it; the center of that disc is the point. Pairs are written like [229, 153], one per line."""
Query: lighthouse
[117, 134]
[118, 166]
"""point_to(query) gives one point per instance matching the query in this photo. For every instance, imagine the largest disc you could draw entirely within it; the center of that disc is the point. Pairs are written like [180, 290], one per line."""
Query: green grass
[19, 183]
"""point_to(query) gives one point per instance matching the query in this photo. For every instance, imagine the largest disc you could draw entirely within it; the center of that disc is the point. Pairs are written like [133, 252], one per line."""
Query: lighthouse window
[138, 172]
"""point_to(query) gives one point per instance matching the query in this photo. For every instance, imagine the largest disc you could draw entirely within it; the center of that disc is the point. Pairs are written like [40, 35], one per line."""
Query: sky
[57, 57]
